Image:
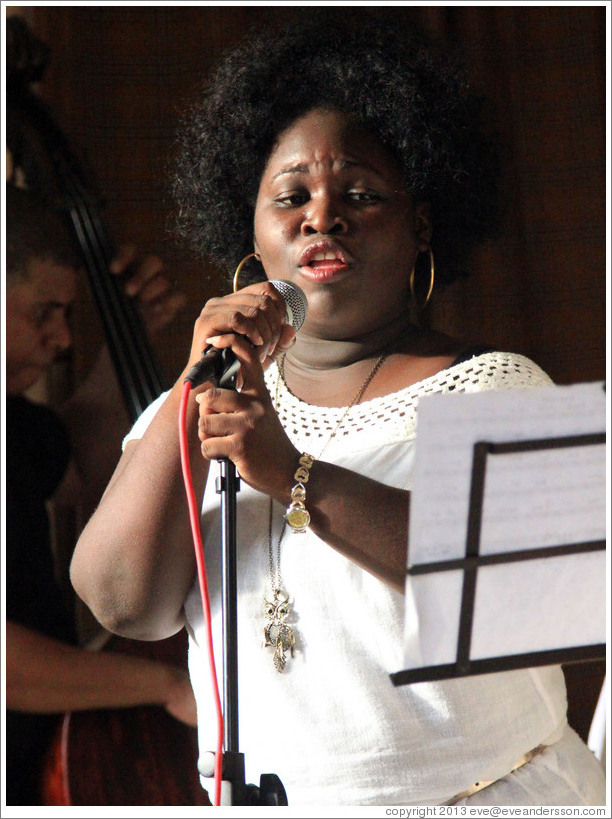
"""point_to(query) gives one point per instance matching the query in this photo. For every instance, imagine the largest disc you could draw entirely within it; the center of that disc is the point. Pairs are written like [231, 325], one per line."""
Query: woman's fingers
[257, 313]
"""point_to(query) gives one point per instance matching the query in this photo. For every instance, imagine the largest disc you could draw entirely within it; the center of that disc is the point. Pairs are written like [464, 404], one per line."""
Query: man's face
[36, 321]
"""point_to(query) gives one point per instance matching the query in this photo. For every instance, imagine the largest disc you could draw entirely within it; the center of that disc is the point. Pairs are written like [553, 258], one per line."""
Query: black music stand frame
[473, 560]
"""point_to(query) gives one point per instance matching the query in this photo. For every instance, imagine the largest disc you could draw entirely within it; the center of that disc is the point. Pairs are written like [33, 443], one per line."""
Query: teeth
[320, 257]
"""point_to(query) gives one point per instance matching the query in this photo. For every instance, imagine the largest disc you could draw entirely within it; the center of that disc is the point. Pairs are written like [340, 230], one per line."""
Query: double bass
[128, 756]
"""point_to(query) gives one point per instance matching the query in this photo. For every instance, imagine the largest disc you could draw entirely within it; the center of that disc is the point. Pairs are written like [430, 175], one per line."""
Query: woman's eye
[365, 197]
[356, 195]
[292, 199]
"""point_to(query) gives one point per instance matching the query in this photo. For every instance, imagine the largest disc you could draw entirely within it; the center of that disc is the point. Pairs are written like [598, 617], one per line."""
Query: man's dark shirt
[37, 455]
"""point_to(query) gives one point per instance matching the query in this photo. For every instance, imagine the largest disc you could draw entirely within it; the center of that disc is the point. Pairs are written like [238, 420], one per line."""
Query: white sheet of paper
[531, 500]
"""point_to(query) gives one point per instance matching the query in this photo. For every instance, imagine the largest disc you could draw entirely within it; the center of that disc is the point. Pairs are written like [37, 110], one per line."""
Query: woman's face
[332, 216]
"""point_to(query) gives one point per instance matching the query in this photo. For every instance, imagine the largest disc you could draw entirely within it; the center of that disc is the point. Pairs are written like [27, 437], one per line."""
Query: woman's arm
[363, 519]
[134, 562]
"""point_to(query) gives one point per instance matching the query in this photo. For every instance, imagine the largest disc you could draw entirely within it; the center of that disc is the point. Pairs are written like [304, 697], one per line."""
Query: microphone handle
[220, 367]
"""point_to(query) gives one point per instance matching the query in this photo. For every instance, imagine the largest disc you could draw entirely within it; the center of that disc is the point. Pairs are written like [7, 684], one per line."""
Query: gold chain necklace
[277, 634]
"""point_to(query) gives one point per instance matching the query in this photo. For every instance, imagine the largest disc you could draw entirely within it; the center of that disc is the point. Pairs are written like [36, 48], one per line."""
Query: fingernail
[213, 340]
[282, 347]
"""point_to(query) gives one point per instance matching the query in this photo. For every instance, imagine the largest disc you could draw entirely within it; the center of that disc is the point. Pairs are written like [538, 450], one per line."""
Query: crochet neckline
[285, 394]
[392, 418]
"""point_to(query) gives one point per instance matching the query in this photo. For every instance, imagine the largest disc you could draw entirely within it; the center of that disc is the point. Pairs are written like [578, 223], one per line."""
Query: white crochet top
[332, 726]
[392, 418]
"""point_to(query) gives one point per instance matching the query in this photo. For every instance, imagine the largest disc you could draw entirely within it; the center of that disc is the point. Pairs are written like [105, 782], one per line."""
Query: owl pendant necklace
[277, 633]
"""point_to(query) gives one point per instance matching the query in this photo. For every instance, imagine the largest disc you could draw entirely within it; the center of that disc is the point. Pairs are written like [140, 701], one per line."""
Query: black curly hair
[418, 104]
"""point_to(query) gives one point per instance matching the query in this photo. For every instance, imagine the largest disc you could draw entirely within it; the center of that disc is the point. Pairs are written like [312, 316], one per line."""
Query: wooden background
[120, 76]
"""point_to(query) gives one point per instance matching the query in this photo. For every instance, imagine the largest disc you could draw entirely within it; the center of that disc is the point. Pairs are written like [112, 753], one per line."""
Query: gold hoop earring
[240, 266]
[432, 274]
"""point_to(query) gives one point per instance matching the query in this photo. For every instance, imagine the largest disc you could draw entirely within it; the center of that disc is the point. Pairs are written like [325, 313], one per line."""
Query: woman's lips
[322, 262]
[322, 270]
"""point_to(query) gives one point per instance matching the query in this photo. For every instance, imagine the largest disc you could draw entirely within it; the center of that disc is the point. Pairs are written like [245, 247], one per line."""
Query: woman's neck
[314, 353]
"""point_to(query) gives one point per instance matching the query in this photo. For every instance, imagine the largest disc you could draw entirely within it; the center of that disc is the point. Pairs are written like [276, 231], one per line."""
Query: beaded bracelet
[297, 516]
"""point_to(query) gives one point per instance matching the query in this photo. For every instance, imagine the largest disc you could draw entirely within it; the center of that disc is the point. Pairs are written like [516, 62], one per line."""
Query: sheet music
[540, 605]
[543, 498]
[448, 427]
[531, 499]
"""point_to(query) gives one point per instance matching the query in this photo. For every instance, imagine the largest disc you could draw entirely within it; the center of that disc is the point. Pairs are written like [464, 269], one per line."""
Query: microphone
[221, 367]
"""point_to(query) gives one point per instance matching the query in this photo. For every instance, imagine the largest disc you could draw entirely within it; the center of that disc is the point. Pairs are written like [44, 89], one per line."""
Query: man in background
[67, 457]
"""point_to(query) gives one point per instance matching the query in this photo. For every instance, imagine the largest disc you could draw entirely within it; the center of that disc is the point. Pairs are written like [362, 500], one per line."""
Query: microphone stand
[234, 788]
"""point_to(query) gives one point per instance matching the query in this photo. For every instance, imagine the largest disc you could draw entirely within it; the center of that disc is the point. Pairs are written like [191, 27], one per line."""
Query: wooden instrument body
[126, 756]
[136, 755]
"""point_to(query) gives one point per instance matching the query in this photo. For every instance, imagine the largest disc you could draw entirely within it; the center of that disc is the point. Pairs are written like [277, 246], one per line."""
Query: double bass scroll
[136, 368]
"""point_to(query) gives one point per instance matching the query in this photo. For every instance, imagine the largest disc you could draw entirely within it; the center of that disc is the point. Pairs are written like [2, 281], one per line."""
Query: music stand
[525, 590]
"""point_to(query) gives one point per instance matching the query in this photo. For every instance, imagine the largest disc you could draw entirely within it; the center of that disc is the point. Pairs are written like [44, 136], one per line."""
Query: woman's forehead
[327, 138]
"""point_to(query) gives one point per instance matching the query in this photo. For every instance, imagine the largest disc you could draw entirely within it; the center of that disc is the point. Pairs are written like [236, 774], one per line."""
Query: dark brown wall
[120, 76]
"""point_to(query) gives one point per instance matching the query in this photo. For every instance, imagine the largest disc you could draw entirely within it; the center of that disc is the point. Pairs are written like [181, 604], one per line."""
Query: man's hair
[35, 231]
[420, 106]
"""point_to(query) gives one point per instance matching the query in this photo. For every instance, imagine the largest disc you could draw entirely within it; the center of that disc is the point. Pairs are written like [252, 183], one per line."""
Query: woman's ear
[422, 225]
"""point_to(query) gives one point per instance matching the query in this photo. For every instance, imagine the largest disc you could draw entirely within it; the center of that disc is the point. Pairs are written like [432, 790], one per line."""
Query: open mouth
[326, 261]
[325, 257]
[323, 261]
[323, 269]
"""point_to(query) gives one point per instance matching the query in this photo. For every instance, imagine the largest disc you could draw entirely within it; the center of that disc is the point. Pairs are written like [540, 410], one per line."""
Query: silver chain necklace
[277, 633]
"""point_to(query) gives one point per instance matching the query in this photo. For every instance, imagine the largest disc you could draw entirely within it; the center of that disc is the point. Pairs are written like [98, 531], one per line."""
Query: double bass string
[136, 368]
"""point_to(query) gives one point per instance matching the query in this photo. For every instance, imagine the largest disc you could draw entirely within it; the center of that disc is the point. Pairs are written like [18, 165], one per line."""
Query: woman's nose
[324, 215]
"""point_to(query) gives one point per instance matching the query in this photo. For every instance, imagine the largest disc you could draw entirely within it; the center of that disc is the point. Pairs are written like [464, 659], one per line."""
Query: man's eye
[42, 314]
[48, 312]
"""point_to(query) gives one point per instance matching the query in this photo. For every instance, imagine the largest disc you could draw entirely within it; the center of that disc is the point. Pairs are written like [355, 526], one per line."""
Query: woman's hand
[147, 283]
[256, 313]
[244, 427]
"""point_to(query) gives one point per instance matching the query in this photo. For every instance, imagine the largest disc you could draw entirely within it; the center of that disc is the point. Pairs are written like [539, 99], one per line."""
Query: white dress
[332, 725]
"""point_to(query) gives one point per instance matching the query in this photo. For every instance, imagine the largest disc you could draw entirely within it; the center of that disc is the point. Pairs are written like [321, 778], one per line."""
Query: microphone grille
[295, 301]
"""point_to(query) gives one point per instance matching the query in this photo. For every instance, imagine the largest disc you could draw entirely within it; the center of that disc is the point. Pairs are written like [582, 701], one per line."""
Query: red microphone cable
[194, 517]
